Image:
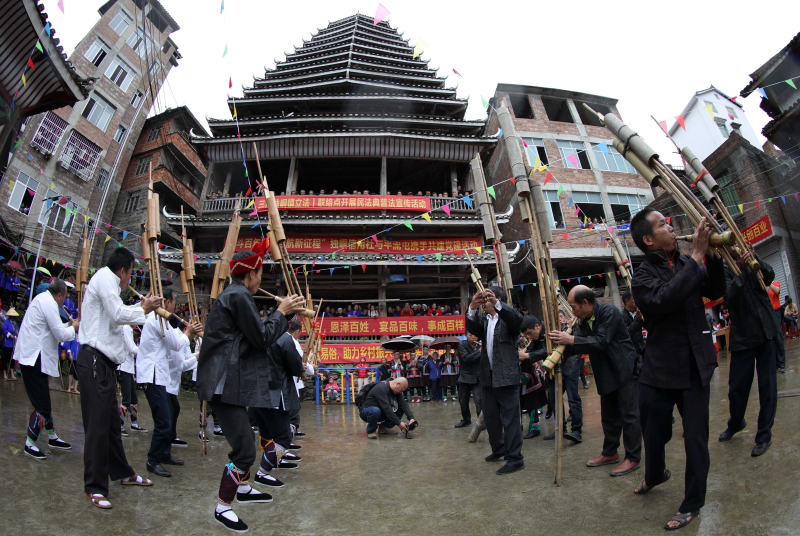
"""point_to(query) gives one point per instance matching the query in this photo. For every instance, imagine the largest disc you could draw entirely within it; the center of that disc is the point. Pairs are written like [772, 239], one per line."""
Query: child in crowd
[449, 375]
[332, 389]
[415, 381]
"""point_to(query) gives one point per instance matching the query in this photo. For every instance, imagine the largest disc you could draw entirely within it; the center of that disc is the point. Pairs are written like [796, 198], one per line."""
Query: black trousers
[743, 365]
[619, 413]
[780, 348]
[6, 353]
[236, 427]
[161, 441]
[464, 390]
[37, 387]
[436, 389]
[655, 407]
[103, 453]
[127, 387]
[570, 372]
[273, 424]
[501, 414]
[174, 411]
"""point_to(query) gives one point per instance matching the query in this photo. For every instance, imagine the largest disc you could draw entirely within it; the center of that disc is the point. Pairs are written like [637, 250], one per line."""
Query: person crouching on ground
[385, 406]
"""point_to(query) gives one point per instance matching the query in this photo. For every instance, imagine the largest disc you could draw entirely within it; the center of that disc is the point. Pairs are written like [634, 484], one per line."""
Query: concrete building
[777, 81]
[68, 170]
[558, 132]
[179, 174]
[709, 118]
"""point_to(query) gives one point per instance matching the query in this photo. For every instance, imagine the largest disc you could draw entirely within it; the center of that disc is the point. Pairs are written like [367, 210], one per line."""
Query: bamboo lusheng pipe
[646, 161]
[82, 275]
[163, 313]
[223, 268]
[308, 313]
[152, 230]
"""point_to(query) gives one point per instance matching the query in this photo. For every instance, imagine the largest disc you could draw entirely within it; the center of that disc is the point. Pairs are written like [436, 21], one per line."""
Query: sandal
[99, 500]
[681, 519]
[644, 488]
[136, 480]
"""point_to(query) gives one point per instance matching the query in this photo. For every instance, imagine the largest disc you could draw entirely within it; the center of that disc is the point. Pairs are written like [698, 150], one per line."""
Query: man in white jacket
[37, 353]
[180, 362]
[153, 370]
[126, 377]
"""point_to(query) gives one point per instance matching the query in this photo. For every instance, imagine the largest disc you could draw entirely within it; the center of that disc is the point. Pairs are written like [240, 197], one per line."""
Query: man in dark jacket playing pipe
[679, 357]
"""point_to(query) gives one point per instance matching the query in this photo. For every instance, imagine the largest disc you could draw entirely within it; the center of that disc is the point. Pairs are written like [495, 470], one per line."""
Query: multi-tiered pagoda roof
[354, 89]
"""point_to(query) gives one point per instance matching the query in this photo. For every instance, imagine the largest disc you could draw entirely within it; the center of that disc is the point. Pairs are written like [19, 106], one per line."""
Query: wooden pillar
[383, 184]
[465, 297]
[291, 180]
[383, 280]
[453, 180]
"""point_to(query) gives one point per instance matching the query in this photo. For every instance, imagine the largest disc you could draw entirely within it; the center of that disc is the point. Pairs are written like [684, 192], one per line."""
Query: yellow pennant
[107, 238]
[427, 217]
[537, 163]
[584, 219]
[542, 167]
[419, 48]
[359, 243]
[234, 111]
[479, 250]
[250, 204]
[24, 83]
[710, 110]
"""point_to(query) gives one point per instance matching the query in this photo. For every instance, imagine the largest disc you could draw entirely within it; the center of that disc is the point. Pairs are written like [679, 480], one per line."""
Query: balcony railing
[227, 204]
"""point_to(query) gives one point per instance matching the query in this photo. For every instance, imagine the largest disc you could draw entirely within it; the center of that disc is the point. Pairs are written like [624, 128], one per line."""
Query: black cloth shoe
[172, 461]
[494, 457]
[510, 468]
[269, 480]
[158, 469]
[299, 434]
[462, 424]
[287, 465]
[123, 432]
[532, 433]
[727, 435]
[218, 431]
[58, 444]
[293, 446]
[254, 496]
[291, 457]
[760, 449]
[574, 435]
[35, 454]
[178, 442]
[235, 526]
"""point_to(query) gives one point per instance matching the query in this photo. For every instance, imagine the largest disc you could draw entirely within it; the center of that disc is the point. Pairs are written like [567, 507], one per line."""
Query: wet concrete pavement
[435, 484]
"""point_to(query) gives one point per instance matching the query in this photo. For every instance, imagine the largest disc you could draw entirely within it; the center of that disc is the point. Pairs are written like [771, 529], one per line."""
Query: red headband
[253, 262]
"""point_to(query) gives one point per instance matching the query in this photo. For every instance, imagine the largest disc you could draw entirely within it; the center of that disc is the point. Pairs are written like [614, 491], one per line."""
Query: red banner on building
[348, 202]
[357, 244]
[352, 353]
[760, 230]
[393, 326]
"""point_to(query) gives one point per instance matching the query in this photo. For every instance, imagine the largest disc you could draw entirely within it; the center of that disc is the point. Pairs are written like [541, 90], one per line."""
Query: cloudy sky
[651, 59]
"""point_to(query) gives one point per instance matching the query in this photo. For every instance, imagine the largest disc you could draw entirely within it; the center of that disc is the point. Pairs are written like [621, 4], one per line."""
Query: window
[98, 111]
[22, 194]
[154, 133]
[722, 128]
[49, 133]
[80, 156]
[141, 43]
[611, 160]
[520, 105]
[625, 206]
[97, 52]
[120, 73]
[57, 216]
[120, 22]
[143, 166]
[119, 134]
[132, 202]
[534, 150]
[570, 148]
[728, 193]
[137, 97]
[102, 179]
[709, 103]
[557, 109]
[554, 209]
[591, 207]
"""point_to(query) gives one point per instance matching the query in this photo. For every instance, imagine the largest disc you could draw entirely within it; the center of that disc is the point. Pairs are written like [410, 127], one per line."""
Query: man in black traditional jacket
[601, 333]
[499, 329]
[469, 356]
[755, 336]
[679, 356]
[233, 372]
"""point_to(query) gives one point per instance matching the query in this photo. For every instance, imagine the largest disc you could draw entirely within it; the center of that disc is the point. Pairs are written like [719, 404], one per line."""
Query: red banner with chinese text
[352, 353]
[761, 229]
[348, 202]
[393, 326]
[355, 244]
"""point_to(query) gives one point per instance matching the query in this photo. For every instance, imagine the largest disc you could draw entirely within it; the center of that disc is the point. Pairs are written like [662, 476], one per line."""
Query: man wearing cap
[234, 372]
[37, 353]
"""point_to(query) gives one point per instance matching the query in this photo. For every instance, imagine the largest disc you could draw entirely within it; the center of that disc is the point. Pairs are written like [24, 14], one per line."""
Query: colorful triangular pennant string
[427, 217]
[467, 201]
[419, 259]
[573, 159]
[107, 238]
[560, 189]
[566, 237]
[484, 102]
[446, 209]
[39, 47]
[363, 267]
[408, 224]
[438, 256]
[710, 110]
[762, 92]
[374, 239]
[380, 14]
[419, 48]
[791, 83]
[330, 270]
[479, 249]
[490, 191]
[681, 121]
[30, 64]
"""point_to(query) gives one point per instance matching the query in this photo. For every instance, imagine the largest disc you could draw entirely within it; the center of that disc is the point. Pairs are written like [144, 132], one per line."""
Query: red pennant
[525, 143]
[456, 72]
[248, 192]
[230, 82]
[566, 236]
[513, 180]
[669, 218]
[62, 201]
[459, 252]
[663, 125]
[757, 205]
[680, 120]
[548, 177]
[795, 197]
[363, 267]
[30, 64]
